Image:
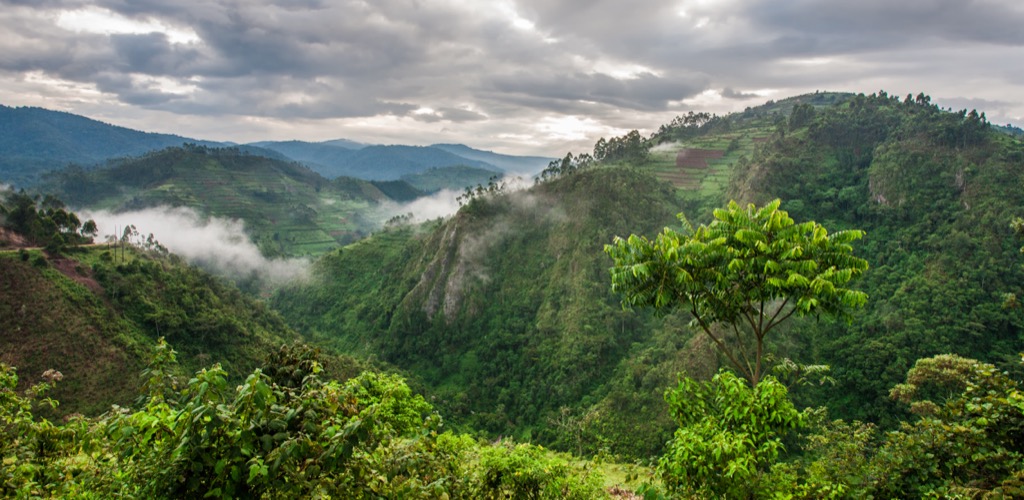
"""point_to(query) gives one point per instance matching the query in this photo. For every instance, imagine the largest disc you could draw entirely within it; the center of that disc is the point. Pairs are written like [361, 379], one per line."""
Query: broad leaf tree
[740, 276]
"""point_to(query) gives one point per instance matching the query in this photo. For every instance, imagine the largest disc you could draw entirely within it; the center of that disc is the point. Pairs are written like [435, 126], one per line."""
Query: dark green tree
[741, 275]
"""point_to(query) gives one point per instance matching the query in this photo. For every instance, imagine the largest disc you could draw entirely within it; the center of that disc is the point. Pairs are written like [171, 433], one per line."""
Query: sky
[515, 76]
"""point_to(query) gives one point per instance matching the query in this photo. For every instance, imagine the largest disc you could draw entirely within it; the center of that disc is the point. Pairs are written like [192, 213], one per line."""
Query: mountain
[288, 209]
[344, 143]
[325, 159]
[36, 140]
[392, 162]
[522, 165]
[504, 312]
[376, 163]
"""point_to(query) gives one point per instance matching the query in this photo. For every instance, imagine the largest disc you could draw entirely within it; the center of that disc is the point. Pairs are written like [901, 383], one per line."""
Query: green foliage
[631, 148]
[750, 269]
[204, 316]
[94, 318]
[969, 441]
[521, 471]
[368, 438]
[934, 191]
[684, 127]
[836, 460]
[730, 436]
[27, 444]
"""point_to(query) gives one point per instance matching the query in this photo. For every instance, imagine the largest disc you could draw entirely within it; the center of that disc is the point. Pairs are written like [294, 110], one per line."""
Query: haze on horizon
[515, 76]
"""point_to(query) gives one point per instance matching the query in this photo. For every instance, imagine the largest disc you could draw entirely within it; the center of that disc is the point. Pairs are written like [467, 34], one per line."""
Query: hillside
[935, 192]
[505, 313]
[455, 178]
[287, 209]
[94, 316]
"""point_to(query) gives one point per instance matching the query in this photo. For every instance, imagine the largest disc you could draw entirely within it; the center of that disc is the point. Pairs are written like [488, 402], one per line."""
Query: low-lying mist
[218, 244]
[438, 205]
[442, 203]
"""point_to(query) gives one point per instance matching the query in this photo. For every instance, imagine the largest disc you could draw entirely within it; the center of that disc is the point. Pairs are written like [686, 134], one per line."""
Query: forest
[847, 327]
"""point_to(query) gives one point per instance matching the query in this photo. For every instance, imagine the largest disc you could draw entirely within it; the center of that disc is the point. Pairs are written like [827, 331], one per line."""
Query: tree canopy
[749, 270]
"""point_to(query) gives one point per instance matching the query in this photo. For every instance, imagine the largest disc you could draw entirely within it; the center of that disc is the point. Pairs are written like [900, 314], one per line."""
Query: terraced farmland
[703, 166]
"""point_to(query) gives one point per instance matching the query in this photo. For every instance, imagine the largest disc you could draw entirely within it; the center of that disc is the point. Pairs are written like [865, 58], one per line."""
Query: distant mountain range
[36, 140]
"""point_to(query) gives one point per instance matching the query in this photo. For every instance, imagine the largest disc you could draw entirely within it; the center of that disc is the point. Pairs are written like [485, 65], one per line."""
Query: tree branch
[740, 347]
[721, 346]
[788, 314]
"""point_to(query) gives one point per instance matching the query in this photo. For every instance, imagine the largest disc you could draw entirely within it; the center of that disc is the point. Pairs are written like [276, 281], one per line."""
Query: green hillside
[503, 310]
[383, 163]
[95, 317]
[936, 192]
[288, 209]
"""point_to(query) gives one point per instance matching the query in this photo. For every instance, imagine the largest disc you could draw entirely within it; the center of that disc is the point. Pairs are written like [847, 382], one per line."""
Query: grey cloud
[885, 21]
[461, 115]
[729, 93]
[153, 54]
[645, 92]
[448, 114]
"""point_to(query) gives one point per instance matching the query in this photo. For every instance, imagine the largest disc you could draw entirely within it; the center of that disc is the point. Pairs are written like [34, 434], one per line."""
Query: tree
[746, 272]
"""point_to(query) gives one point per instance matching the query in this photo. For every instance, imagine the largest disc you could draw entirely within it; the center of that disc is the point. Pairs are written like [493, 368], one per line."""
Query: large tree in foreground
[740, 276]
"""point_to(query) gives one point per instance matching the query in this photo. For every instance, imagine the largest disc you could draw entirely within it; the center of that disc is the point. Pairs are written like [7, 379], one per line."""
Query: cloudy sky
[516, 76]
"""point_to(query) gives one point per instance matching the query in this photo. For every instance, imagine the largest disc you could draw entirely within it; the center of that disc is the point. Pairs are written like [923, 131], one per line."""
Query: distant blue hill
[528, 165]
[343, 158]
[345, 143]
[36, 140]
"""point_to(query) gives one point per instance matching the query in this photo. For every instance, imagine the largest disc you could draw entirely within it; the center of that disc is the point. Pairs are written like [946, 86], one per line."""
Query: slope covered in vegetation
[503, 310]
[93, 312]
[936, 192]
[287, 208]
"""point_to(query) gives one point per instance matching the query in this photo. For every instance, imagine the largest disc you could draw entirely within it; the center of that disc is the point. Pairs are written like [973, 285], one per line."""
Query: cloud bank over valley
[221, 245]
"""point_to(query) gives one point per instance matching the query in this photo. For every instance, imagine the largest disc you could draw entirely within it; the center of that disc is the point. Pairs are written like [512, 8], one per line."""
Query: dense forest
[885, 362]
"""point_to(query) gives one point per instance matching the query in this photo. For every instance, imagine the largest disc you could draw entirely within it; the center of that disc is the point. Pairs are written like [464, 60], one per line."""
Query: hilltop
[34, 141]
